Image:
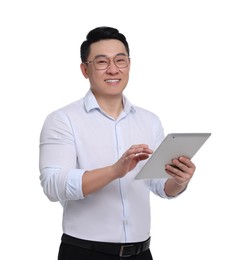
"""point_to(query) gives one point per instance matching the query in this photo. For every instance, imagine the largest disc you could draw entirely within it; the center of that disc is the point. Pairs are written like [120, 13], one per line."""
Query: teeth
[112, 80]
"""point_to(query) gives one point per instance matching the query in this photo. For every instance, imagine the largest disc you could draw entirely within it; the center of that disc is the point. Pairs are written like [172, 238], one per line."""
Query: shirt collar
[91, 103]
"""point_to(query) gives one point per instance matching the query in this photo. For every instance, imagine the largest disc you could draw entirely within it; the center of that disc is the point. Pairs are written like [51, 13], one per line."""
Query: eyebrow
[105, 56]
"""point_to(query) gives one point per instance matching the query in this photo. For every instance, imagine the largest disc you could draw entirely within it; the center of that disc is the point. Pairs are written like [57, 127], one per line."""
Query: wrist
[181, 185]
[112, 172]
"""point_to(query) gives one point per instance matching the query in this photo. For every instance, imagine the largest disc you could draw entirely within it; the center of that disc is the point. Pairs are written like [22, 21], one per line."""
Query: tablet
[173, 146]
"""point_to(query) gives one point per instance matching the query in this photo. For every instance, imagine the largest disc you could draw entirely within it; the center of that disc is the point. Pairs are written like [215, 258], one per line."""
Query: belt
[122, 250]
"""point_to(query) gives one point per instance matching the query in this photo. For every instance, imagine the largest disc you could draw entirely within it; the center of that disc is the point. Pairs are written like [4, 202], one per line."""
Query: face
[113, 80]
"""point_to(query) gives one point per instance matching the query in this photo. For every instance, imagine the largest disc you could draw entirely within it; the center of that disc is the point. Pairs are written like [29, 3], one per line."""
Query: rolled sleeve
[157, 187]
[74, 185]
[60, 178]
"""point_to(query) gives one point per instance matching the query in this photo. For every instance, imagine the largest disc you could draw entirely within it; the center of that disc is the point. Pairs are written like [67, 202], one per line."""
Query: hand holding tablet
[173, 146]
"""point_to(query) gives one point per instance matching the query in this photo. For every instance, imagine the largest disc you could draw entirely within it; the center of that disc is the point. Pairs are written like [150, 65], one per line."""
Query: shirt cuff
[74, 185]
[160, 188]
[172, 197]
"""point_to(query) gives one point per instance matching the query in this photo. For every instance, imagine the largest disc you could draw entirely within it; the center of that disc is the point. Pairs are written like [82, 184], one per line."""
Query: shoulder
[63, 114]
[147, 118]
[151, 123]
[69, 108]
[146, 113]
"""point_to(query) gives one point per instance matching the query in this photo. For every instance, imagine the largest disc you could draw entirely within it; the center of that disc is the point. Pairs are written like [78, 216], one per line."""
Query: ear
[84, 70]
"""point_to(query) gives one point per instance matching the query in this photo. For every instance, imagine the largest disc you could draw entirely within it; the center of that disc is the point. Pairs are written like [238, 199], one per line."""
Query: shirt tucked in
[82, 137]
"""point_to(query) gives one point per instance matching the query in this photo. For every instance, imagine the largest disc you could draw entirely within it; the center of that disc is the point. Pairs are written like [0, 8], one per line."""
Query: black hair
[101, 33]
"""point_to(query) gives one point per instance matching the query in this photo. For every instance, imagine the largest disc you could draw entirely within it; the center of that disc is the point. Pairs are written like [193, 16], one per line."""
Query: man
[91, 151]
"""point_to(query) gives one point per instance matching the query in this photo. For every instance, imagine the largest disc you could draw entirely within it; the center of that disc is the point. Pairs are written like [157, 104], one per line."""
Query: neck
[112, 106]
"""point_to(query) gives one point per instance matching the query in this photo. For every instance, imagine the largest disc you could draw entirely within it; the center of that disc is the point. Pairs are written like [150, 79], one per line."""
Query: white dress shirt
[81, 137]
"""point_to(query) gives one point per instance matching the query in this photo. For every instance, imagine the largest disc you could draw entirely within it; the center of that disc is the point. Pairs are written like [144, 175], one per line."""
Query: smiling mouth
[112, 80]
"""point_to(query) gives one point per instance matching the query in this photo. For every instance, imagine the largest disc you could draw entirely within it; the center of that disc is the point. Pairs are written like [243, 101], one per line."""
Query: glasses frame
[93, 61]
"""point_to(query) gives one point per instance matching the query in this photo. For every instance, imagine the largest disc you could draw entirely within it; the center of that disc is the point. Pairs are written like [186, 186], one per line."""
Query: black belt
[122, 250]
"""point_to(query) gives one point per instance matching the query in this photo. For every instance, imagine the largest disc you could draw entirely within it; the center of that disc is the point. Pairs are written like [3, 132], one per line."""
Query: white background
[188, 66]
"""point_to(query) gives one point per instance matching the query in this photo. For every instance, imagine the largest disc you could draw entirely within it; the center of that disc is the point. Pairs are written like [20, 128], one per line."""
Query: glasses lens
[121, 61]
[101, 63]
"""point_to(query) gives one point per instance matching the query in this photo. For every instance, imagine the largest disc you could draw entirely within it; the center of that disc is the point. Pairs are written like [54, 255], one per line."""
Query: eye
[101, 61]
[121, 60]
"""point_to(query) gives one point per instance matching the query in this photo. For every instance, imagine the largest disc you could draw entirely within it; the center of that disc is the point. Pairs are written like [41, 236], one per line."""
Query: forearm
[97, 179]
[172, 188]
[94, 180]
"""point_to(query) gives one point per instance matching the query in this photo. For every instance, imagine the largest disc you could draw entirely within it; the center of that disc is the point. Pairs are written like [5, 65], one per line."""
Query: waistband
[118, 249]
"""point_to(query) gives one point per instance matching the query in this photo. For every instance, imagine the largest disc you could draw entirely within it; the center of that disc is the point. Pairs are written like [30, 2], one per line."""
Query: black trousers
[70, 252]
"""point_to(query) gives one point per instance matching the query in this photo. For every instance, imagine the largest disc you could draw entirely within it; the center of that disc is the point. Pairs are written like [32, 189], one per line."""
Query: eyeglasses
[102, 62]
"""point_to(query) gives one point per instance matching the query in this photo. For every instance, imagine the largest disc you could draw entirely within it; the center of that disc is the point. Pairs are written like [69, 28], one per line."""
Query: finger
[173, 170]
[139, 145]
[179, 165]
[138, 149]
[177, 177]
[142, 156]
[184, 164]
[186, 161]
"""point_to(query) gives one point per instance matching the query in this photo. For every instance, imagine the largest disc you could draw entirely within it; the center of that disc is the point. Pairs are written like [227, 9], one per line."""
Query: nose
[112, 68]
